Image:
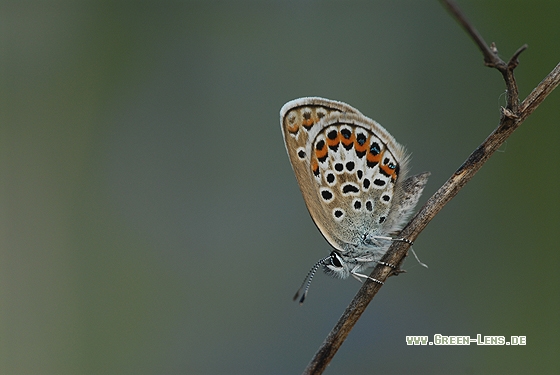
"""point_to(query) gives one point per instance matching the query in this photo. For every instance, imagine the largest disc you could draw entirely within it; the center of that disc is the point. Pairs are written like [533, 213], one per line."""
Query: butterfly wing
[348, 168]
[406, 197]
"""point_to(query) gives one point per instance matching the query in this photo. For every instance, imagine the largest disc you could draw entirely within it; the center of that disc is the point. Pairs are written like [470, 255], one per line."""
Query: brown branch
[490, 53]
[512, 117]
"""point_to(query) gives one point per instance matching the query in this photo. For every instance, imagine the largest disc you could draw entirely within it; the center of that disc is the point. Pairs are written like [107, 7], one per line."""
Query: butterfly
[352, 174]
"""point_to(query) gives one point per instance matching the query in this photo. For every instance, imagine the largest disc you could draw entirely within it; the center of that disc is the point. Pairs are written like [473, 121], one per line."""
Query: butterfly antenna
[308, 279]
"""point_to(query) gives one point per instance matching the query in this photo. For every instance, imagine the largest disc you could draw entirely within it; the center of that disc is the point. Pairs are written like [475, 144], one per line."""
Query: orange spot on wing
[315, 167]
[358, 147]
[348, 141]
[308, 122]
[335, 141]
[389, 171]
[320, 154]
[374, 158]
[294, 128]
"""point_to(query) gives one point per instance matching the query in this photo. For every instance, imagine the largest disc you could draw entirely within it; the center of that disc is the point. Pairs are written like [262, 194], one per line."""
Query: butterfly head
[333, 265]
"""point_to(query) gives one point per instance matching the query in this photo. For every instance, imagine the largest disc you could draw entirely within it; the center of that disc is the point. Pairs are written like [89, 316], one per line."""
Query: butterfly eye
[335, 260]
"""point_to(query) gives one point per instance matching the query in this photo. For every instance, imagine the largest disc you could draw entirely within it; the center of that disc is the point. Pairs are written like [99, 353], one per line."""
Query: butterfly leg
[388, 265]
[357, 276]
[411, 249]
[417, 259]
[393, 239]
[402, 240]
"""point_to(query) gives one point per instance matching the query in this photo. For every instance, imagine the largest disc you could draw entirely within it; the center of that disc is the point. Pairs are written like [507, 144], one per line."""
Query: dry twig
[512, 117]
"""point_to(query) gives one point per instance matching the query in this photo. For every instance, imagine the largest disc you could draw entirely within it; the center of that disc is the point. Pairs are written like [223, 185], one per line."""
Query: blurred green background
[151, 222]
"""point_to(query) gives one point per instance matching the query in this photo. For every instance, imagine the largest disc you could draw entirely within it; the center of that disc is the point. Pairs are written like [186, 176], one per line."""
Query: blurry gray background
[151, 222]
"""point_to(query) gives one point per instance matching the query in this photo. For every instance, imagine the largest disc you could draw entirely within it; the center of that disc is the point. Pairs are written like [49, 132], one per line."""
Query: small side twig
[490, 53]
[512, 117]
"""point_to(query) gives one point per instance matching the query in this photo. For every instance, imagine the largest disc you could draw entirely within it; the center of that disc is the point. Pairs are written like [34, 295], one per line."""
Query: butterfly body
[352, 174]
